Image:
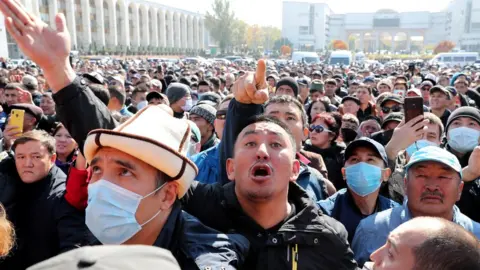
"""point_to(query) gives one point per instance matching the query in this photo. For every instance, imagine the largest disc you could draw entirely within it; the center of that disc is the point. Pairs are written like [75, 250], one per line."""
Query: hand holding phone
[413, 107]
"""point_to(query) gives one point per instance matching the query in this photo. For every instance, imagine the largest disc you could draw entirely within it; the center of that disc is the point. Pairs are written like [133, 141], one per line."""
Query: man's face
[317, 77]
[382, 88]
[155, 101]
[351, 107]
[438, 100]
[432, 134]
[463, 122]
[352, 89]
[284, 90]
[263, 164]
[33, 161]
[229, 81]
[461, 86]
[363, 95]
[219, 123]
[369, 127]
[391, 125]
[271, 82]
[316, 96]
[48, 105]
[291, 116]
[203, 89]
[426, 92]
[205, 128]
[390, 107]
[397, 253]
[12, 97]
[304, 91]
[432, 189]
[134, 175]
[330, 89]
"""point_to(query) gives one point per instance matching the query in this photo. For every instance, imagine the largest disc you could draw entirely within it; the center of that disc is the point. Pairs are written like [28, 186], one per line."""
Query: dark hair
[268, 119]
[118, 93]
[37, 135]
[204, 83]
[3, 82]
[136, 91]
[185, 81]
[285, 99]
[215, 82]
[449, 248]
[100, 92]
[223, 79]
[309, 109]
[194, 84]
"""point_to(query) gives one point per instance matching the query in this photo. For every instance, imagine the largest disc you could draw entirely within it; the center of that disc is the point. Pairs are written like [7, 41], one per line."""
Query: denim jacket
[207, 163]
[372, 232]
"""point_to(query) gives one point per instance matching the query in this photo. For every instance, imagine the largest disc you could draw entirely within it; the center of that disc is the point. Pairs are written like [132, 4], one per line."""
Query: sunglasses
[395, 108]
[318, 129]
[221, 114]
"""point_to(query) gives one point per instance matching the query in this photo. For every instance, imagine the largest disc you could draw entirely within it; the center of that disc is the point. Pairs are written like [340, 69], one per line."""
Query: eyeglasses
[318, 129]
[221, 114]
[395, 108]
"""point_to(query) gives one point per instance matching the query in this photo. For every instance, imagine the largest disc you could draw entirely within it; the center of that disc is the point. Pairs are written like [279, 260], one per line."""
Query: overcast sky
[269, 12]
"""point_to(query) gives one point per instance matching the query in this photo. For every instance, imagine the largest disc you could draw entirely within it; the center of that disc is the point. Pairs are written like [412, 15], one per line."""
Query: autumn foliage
[339, 45]
[444, 46]
[285, 50]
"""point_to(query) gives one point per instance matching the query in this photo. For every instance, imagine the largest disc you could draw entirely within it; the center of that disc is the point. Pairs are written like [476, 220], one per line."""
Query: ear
[386, 174]
[169, 195]
[295, 170]
[305, 134]
[460, 189]
[231, 169]
[53, 158]
[343, 174]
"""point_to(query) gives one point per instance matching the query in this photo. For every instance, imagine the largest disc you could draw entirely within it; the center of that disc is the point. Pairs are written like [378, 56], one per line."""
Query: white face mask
[110, 214]
[463, 139]
[188, 105]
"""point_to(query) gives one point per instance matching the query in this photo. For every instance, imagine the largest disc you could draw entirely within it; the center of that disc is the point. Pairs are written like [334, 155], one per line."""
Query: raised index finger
[261, 74]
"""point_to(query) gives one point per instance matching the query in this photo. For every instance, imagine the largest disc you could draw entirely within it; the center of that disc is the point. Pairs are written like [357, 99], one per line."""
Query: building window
[303, 30]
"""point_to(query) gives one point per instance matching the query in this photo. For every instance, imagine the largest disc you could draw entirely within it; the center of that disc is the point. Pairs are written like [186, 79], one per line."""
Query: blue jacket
[342, 207]
[372, 232]
[207, 163]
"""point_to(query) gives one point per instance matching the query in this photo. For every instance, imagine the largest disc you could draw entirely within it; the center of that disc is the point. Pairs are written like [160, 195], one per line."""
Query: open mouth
[261, 172]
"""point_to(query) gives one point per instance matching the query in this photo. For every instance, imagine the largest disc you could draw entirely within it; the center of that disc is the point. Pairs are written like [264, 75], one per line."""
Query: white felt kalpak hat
[154, 137]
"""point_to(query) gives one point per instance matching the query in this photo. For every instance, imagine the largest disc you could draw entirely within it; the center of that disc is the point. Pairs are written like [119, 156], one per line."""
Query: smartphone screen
[413, 107]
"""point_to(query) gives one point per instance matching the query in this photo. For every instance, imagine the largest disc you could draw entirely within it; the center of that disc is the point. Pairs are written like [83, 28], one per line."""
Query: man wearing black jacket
[45, 224]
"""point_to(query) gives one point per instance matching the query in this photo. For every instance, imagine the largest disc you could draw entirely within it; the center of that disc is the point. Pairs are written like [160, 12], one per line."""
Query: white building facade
[305, 23]
[122, 25]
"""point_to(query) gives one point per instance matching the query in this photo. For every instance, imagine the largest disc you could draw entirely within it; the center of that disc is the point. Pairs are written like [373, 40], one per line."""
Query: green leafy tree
[270, 35]
[239, 36]
[220, 22]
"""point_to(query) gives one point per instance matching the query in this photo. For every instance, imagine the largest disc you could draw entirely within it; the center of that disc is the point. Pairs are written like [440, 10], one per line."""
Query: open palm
[42, 44]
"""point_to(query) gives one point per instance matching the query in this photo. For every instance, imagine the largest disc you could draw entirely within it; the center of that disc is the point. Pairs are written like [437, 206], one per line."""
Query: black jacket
[189, 240]
[45, 224]
[321, 241]
[333, 158]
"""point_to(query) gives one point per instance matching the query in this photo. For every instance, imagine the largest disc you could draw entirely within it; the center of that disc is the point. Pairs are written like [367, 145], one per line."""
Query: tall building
[306, 24]
[119, 24]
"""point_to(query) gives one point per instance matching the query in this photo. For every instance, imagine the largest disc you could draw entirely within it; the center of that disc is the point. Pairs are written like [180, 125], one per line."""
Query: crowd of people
[299, 166]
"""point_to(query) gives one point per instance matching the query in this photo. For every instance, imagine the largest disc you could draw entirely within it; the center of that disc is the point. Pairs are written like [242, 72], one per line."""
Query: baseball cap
[397, 117]
[414, 90]
[436, 154]
[369, 143]
[395, 98]
[316, 85]
[354, 99]
[439, 88]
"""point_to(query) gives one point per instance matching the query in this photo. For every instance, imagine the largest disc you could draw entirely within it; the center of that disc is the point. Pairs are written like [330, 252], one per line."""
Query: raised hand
[47, 47]
[252, 87]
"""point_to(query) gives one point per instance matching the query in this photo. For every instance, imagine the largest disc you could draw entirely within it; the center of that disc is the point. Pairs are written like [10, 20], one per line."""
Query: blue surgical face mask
[110, 214]
[463, 139]
[363, 178]
[414, 147]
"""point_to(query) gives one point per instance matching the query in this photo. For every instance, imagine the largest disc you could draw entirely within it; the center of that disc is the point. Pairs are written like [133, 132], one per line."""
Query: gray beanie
[177, 91]
[206, 111]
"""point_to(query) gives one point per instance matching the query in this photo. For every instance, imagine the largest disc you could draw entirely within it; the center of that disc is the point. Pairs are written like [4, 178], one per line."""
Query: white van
[307, 57]
[456, 58]
[341, 57]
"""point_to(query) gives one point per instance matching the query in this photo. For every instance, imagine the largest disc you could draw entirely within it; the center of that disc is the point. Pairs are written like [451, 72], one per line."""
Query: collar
[303, 159]
[168, 237]
[406, 215]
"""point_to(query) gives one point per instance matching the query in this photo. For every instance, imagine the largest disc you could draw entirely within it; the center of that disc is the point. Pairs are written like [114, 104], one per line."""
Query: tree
[271, 34]
[285, 50]
[444, 46]
[339, 45]
[281, 42]
[239, 33]
[220, 23]
[255, 36]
